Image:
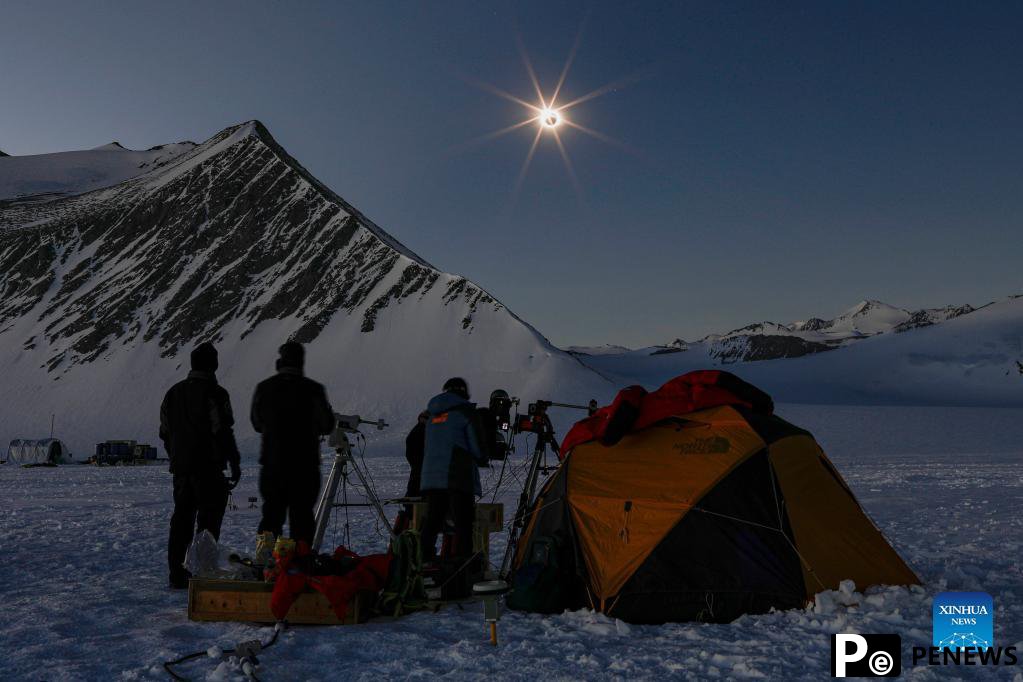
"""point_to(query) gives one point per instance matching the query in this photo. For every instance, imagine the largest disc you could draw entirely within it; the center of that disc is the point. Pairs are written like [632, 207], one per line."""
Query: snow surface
[86, 598]
[67, 173]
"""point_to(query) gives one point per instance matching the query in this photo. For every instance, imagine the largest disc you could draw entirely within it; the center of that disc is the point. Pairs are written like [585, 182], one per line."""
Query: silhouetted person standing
[291, 412]
[450, 480]
[415, 444]
[197, 429]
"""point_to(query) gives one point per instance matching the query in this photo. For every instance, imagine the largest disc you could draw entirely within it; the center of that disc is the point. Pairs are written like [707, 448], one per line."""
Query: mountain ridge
[972, 359]
[768, 340]
[234, 241]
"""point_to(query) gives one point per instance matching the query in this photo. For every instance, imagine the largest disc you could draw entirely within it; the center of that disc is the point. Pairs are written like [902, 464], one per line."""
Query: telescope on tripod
[340, 471]
[535, 421]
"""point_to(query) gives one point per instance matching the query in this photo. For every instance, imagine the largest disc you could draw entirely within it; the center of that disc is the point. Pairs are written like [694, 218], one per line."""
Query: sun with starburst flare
[548, 115]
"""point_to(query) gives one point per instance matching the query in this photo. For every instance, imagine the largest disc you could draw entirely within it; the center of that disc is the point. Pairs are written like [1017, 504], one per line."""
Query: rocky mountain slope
[103, 292]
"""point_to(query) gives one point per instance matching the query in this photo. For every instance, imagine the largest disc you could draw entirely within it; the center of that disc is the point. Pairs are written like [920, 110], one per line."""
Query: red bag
[370, 574]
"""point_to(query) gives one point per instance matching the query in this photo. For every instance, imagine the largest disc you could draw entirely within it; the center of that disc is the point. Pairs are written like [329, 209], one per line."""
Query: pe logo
[963, 620]
[866, 655]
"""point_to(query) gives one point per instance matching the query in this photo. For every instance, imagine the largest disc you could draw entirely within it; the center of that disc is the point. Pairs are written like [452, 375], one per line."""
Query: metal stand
[537, 465]
[340, 470]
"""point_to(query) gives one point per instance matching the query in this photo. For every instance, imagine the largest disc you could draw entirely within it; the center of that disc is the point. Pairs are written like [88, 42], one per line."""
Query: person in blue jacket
[450, 480]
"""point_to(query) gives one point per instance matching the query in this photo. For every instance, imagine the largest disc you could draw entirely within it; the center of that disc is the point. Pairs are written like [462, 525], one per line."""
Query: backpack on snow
[404, 591]
[538, 585]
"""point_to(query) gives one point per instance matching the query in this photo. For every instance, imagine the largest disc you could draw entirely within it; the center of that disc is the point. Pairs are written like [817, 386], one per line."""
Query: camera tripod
[340, 471]
[538, 422]
[538, 465]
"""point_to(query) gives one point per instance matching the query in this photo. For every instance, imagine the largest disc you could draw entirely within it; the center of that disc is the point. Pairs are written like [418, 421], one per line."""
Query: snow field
[86, 598]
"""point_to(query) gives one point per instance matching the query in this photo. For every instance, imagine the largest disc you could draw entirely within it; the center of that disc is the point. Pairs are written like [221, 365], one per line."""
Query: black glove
[236, 474]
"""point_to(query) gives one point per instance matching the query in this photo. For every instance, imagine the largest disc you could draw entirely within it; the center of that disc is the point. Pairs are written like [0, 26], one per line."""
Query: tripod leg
[372, 497]
[347, 536]
[325, 505]
[525, 499]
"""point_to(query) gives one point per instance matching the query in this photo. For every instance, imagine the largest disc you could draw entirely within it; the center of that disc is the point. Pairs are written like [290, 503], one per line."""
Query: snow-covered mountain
[104, 292]
[771, 340]
[50, 176]
[957, 356]
[606, 349]
[929, 316]
[866, 318]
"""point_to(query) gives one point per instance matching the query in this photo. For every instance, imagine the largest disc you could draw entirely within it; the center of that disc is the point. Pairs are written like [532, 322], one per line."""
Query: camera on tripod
[349, 423]
[500, 408]
[498, 423]
[344, 464]
[535, 420]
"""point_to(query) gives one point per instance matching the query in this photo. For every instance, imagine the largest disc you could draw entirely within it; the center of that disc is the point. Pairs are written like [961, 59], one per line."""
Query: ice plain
[86, 597]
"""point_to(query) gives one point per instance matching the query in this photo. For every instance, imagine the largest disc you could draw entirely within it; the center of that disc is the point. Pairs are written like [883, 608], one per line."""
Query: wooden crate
[248, 601]
[489, 519]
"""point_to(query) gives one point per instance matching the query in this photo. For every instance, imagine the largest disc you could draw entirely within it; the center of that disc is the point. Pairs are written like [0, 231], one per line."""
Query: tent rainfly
[694, 503]
[44, 451]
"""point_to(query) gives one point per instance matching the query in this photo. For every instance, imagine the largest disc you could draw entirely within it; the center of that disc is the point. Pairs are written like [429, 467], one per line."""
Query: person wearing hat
[291, 412]
[450, 479]
[197, 430]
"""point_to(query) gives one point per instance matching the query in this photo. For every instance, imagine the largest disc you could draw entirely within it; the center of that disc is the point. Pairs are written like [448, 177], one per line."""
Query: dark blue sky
[791, 159]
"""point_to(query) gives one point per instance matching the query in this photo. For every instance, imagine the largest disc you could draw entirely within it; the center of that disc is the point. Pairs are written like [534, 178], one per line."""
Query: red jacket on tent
[634, 408]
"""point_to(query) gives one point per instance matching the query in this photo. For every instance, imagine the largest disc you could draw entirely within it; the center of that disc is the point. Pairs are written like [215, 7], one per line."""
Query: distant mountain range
[772, 340]
[871, 354]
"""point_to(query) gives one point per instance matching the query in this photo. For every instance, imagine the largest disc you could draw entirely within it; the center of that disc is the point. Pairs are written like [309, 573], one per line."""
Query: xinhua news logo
[963, 620]
[866, 655]
[963, 633]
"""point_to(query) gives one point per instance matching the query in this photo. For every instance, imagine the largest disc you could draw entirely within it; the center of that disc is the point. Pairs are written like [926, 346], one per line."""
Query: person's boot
[264, 548]
[179, 578]
[456, 581]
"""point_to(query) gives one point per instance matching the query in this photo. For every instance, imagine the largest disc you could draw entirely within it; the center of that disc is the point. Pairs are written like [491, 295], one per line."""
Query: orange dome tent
[694, 502]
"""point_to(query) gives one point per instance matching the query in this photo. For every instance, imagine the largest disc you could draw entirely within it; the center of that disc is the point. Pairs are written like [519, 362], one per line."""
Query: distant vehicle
[42, 452]
[123, 452]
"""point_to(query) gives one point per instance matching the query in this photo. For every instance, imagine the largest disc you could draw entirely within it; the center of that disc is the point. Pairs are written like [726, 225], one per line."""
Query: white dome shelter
[47, 451]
